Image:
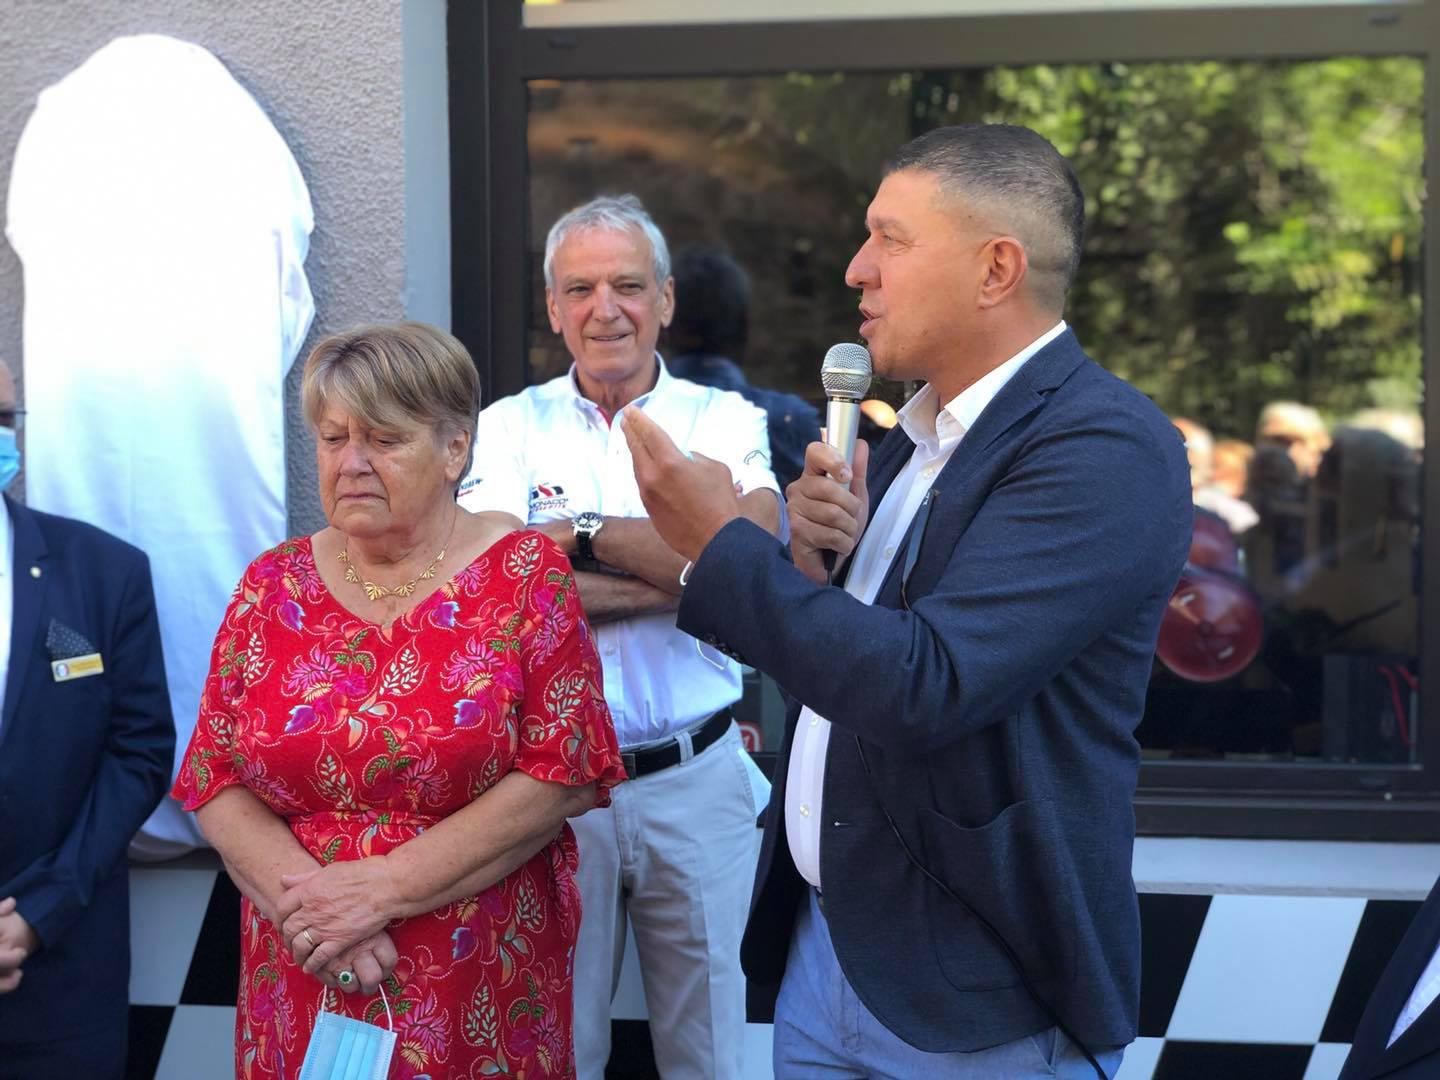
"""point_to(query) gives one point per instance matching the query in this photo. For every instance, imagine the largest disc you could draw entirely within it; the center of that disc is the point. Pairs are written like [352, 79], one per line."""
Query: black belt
[652, 759]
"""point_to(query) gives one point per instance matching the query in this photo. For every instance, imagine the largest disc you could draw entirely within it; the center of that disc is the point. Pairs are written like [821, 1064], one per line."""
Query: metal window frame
[493, 55]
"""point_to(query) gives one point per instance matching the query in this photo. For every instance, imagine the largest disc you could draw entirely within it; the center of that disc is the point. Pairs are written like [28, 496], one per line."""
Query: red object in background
[1212, 628]
[1212, 545]
[750, 736]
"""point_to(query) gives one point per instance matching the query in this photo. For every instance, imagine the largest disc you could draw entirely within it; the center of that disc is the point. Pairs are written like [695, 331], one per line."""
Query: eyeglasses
[12, 418]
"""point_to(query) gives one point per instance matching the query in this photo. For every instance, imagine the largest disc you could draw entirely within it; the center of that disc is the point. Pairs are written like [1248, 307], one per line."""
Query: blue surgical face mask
[9, 457]
[345, 1049]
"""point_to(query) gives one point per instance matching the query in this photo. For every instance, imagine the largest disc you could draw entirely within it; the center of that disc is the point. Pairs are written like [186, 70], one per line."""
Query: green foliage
[1253, 229]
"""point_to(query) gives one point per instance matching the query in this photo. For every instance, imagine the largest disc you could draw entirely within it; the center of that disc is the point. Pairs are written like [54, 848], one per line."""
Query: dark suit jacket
[996, 714]
[82, 764]
[1416, 1054]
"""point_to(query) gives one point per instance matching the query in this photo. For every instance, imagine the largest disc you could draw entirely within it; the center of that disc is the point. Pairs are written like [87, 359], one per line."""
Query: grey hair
[616, 213]
[1020, 183]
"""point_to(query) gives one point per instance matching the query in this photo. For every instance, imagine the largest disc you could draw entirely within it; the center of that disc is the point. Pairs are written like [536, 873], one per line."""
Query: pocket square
[65, 643]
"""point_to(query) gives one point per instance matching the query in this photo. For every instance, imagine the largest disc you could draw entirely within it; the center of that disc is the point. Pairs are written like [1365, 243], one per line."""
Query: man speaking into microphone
[948, 890]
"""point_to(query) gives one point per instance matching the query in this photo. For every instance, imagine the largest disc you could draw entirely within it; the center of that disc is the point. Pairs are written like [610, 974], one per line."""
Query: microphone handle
[842, 425]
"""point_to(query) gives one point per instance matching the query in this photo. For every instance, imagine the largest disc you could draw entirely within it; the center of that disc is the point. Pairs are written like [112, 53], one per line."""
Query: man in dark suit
[948, 889]
[709, 333]
[1399, 1033]
[86, 743]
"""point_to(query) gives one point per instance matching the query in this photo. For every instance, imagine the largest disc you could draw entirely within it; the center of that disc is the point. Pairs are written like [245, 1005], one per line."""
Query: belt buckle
[627, 759]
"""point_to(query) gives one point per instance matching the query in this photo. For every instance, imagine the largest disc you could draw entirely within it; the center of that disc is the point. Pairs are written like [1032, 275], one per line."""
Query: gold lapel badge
[77, 667]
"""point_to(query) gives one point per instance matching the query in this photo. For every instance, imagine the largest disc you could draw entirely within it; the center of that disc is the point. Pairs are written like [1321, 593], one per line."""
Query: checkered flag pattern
[1235, 986]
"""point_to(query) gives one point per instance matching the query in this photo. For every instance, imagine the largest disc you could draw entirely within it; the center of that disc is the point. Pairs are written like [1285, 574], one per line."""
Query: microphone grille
[845, 372]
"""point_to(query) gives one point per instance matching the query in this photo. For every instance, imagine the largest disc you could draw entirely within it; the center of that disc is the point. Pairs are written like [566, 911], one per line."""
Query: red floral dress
[361, 737]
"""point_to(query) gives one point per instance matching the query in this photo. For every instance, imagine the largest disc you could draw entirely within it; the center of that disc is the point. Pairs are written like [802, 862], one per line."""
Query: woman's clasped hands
[333, 920]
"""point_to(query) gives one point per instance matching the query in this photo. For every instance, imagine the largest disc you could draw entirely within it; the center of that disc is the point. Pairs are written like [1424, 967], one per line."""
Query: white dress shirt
[936, 432]
[1427, 988]
[548, 453]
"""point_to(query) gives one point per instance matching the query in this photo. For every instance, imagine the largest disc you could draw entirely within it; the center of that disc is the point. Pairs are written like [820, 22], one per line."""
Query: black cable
[995, 935]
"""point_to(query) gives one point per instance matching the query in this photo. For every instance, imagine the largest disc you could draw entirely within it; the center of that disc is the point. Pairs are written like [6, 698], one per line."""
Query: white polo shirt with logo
[549, 453]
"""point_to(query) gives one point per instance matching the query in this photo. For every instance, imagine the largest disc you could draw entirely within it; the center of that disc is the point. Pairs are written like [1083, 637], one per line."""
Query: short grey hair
[1018, 180]
[615, 213]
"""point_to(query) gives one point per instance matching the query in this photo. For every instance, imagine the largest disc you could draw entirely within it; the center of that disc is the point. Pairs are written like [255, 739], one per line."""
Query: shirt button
[609, 650]
[814, 721]
[890, 552]
[804, 809]
[928, 471]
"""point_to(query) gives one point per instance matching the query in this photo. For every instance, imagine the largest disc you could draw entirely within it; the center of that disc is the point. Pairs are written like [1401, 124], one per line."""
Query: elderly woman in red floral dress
[402, 710]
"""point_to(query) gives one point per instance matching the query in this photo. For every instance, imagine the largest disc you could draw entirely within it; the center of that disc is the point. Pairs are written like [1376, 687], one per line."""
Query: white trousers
[675, 850]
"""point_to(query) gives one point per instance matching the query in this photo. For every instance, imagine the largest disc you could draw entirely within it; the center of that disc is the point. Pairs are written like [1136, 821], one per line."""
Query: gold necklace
[377, 592]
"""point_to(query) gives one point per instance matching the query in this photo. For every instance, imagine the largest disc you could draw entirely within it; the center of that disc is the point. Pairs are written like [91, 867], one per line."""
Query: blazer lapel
[1017, 399]
[1022, 395]
[29, 556]
[1420, 1038]
[1392, 992]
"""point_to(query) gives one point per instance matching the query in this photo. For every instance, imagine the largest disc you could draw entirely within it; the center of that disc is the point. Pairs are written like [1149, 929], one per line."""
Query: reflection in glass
[1252, 263]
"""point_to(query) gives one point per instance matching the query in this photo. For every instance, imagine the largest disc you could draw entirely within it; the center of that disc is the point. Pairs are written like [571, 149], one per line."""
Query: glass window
[1252, 262]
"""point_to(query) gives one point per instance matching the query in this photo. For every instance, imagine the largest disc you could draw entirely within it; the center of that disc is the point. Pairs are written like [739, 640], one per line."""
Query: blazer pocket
[1015, 873]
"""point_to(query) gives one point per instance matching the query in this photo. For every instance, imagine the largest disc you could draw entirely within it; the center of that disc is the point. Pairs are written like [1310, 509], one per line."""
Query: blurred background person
[1230, 466]
[708, 335]
[1208, 495]
[1363, 576]
[1290, 440]
[1405, 426]
[402, 711]
[1296, 429]
[1342, 618]
[88, 741]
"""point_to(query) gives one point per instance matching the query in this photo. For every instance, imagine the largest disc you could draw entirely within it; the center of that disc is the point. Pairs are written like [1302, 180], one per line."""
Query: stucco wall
[330, 74]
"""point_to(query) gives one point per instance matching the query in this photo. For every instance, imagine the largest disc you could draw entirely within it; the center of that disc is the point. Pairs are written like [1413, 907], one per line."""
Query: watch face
[588, 522]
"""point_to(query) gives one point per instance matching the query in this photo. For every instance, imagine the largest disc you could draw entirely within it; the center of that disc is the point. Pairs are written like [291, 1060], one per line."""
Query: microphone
[845, 375]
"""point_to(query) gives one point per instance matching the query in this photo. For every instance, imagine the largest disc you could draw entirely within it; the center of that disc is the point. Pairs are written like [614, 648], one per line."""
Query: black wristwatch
[585, 526]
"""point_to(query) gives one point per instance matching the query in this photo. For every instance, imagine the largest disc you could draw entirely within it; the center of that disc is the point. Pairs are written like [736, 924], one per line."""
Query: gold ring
[310, 938]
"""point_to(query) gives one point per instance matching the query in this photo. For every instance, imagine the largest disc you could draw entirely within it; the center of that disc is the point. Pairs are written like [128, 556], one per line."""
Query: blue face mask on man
[9, 457]
[345, 1049]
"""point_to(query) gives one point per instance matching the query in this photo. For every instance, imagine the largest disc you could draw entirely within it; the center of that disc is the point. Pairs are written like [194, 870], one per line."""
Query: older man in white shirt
[675, 848]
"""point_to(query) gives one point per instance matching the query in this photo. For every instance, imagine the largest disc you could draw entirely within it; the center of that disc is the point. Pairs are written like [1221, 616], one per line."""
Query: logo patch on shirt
[544, 497]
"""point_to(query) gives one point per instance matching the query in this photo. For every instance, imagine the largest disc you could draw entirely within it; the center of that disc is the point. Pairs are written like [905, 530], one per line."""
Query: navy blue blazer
[1416, 1054]
[996, 714]
[82, 764]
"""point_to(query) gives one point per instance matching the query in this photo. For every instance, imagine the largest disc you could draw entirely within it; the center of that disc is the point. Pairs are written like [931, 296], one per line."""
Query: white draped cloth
[162, 224]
